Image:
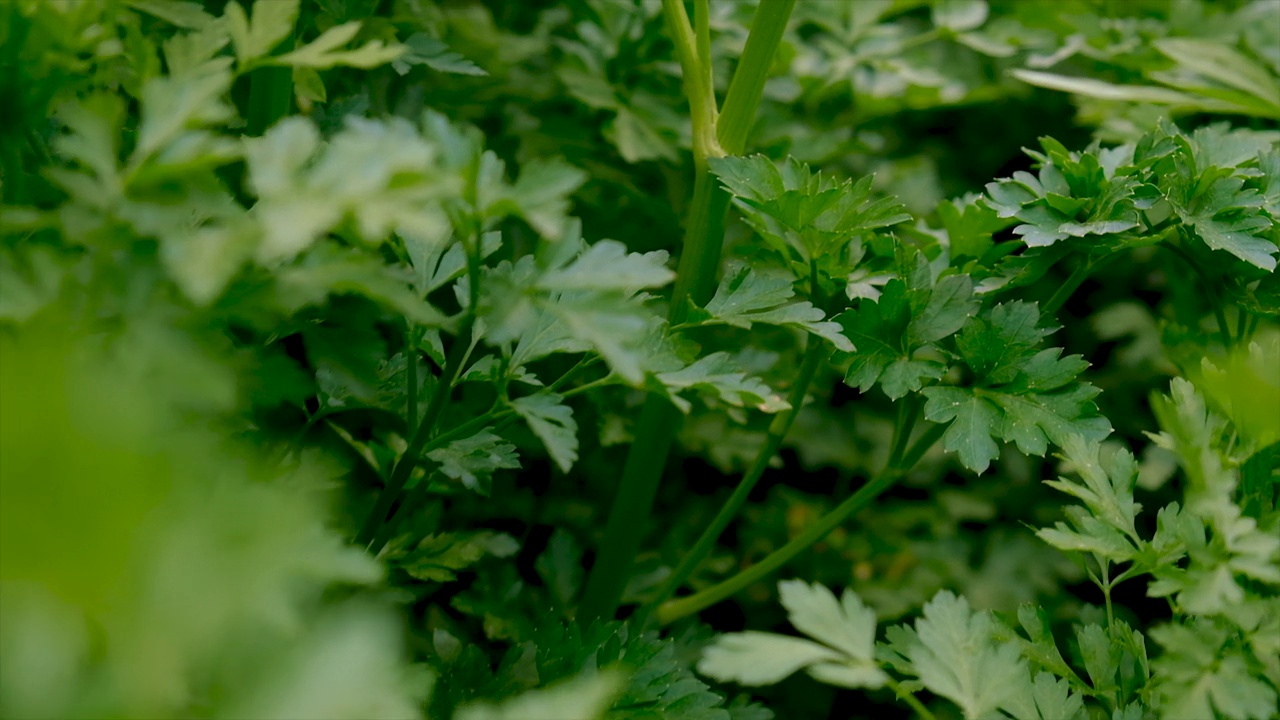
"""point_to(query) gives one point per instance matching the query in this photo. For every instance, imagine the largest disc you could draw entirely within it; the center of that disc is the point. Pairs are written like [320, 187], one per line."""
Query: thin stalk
[405, 465]
[910, 698]
[898, 466]
[1215, 300]
[411, 378]
[908, 411]
[1065, 290]
[747, 85]
[778, 429]
[673, 610]
[453, 364]
[1242, 324]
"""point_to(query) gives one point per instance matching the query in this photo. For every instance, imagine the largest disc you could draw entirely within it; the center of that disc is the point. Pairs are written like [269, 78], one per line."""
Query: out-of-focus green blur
[149, 569]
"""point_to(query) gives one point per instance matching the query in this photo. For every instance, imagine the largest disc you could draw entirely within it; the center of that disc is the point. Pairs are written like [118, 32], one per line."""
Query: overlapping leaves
[1020, 393]
[1214, 183]
[897, 335]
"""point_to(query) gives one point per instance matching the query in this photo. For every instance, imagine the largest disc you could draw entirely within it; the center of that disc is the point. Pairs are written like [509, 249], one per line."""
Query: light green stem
[747, 86]
[911, 699]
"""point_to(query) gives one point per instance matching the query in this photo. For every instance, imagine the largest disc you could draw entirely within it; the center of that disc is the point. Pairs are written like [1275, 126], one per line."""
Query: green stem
[270, 94]
[405, 465]
[908, 411]
[453, 364]
[698, 86]
[673, 610]
[631, 509]
[911, 699]
[1065, 290]
[747, 85]
[778, 429]
[1215, 300]
[703, 240]
[695, 281]
[411, 378]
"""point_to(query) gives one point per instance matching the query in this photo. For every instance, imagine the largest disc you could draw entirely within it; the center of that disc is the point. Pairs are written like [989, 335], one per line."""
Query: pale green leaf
[272, 21]
[585, 697]
[324, 52]
[957, 656]
[607, 265]
[552, 421]
[757, 658]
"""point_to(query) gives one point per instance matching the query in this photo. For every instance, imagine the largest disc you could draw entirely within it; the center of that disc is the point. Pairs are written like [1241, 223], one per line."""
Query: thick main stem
[695, 281]
[270, 94]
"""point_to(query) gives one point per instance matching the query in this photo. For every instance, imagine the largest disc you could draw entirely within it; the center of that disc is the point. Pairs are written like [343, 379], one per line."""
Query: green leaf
[586, 697]
[718, 374]
[757, 658]
[747, 296]
[329, 270]
[1107, 488]
[1223, 64]
[1046, 699]
[615, 326]
[1024, 396]
[439, 558]
[472, 460]
[552, 421]
[841, 654]
[1247, 389]
[957, 656]
[1102, 90]
[271, 23]
[381, 175]
[1040, 647]
[324, 52]
[797, 210]
[912, 314]
[422, 49]
[847, 625]
[960, 15]
[607, 265]
[1200, 673]
[170, 107]
[541, 195]
[181, 13]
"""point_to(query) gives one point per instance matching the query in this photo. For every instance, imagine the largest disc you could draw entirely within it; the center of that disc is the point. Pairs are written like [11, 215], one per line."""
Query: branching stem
[778, 429]
[695, 276]
[898, 465]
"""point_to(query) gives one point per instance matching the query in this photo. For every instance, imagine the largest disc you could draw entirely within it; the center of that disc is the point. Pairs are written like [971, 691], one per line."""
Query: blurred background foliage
[167, 550]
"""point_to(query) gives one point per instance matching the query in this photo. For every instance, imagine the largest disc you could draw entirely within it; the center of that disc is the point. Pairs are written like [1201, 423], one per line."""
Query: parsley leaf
[552, 421]
[912, 314]
[841, 652]
[747, 296]
[1022, 395]
[956, 655]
